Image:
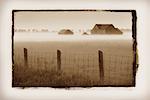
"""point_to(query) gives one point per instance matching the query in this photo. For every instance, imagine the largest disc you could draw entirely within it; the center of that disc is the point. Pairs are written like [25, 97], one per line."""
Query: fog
[23, 36]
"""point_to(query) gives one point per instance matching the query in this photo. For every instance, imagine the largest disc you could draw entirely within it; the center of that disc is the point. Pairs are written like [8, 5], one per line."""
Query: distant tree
[85, 33]
[34, 30]
[15, 30]
[21, 30]
[44, 30]
[28, 30]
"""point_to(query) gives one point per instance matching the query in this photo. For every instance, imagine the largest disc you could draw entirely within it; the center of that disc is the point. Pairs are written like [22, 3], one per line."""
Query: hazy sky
[71, 19]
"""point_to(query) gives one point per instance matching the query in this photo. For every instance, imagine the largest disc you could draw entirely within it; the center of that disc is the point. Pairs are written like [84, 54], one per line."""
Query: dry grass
[79, 64]
[28, 77]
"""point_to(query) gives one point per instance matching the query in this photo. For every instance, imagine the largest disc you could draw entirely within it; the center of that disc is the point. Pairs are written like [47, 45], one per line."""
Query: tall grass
[79, 64]
[27, 77]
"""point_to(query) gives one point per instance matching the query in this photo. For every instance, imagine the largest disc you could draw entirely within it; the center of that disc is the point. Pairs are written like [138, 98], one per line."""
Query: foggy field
[79, 61]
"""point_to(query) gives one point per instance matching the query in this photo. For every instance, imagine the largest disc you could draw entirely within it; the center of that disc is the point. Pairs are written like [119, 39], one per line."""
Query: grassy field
[79, 63]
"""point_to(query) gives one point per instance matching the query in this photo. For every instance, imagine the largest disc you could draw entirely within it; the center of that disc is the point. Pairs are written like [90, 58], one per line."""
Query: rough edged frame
[134, 36]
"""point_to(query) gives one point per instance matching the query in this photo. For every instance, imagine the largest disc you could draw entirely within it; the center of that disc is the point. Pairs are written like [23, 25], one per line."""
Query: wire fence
[117, 67]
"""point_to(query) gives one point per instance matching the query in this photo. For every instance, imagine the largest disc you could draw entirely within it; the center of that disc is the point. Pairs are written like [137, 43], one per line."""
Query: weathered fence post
[25, 57]
[101, 67]
[58, 60]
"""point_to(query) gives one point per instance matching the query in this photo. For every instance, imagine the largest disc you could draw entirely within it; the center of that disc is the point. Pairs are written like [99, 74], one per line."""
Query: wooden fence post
[25, 57]
[101, 67]
[58, 60]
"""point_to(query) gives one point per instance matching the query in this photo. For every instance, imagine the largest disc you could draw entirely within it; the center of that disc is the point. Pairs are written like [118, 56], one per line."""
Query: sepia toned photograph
[74, 48]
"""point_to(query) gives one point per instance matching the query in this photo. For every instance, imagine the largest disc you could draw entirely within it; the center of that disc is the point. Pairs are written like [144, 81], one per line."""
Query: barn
[85, 33]
[105, 29]
[65, 32]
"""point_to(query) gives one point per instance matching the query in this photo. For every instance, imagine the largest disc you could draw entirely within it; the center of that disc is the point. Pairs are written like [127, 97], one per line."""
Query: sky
[71, 19]
[75, 20]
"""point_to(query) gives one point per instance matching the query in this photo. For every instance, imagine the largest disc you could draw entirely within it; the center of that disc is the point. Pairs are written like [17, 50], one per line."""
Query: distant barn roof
[65, 32]
[105, 29]
[104, 26]
[85, 33]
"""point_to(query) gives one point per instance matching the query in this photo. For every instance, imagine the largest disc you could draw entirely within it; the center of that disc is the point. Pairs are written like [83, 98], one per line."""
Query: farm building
[65, 32]
[105, 29]
[85, 33]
